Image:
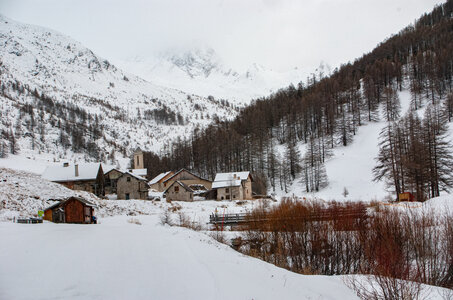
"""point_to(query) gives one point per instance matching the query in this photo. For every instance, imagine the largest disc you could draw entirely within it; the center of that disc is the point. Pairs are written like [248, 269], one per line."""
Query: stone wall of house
[188, 179]
[87, 185]
[137, 189]
[111, 181]
[177, 193]
[248, 190]
[233, 193]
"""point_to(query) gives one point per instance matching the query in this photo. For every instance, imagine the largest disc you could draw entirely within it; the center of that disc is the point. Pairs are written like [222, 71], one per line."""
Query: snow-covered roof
[86, 171]
[226, 183]
[231, 176]
[62, 202]
[185, 186]
[111, 169]
[139, 172]
[134, 175]
[184, 170]
[159, 177]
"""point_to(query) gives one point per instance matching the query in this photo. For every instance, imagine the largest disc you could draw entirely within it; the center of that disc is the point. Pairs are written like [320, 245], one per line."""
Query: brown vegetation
[401, 248]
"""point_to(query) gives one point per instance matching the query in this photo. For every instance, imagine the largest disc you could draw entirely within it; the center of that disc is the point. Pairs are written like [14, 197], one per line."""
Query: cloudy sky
[279, 34]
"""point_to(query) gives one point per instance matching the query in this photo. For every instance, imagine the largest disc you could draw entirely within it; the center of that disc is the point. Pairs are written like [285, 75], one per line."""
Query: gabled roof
[87, 171]
[185, 186]
[231, 176]
[159, 177]
[112, 169]
[135, 176]
[62, 202]
[232, 179]
[226, 183]
[187, 172]
[139, 172]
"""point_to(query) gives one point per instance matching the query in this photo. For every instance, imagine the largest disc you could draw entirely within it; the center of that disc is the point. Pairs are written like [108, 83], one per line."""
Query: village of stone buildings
[181, 185]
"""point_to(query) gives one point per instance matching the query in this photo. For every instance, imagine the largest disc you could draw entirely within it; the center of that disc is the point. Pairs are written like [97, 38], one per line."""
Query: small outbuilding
[71, 210]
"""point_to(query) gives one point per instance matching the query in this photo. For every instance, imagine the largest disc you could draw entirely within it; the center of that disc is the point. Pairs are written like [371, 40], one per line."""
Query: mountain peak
[196, 62]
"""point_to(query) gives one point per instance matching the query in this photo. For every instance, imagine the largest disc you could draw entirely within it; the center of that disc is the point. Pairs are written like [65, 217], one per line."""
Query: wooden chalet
[82, 177]
[71, 210]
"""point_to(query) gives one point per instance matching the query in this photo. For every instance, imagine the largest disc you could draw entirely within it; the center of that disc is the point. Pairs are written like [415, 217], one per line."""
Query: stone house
[233, 186]
[82, 177]
[111, 180]
[130, 186]
[157, 183]
[188, 178]
[179, 191]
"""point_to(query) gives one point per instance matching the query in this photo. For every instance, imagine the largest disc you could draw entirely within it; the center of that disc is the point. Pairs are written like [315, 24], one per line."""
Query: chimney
[66, 164]
[76, 170]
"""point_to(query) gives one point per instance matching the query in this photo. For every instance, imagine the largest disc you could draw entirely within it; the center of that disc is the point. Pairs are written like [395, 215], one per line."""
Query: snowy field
[131, 255]
[120, 260]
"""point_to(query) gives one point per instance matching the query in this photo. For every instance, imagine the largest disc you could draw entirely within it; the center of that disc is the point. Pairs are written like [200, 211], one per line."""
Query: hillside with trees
[327, 111]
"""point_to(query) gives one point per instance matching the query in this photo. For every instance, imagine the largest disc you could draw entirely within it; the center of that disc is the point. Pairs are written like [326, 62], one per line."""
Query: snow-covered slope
[70, 87]
[201, 71]
[351, 167]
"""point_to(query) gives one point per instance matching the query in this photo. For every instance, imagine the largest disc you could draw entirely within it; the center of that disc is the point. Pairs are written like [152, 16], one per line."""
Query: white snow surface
[121, 260]
[131, 255]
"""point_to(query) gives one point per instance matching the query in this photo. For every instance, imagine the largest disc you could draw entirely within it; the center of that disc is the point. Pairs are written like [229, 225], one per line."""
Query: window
[176, 189]
[128, 179]
[138, 160]
[234, 196]
[127, 196]
[227, 190]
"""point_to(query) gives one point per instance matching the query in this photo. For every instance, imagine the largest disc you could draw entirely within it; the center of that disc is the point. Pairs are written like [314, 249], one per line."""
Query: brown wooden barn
[71, 210]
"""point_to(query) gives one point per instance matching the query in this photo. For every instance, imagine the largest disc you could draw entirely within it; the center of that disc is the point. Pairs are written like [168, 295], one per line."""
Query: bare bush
[401, 249]
[165, 218]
